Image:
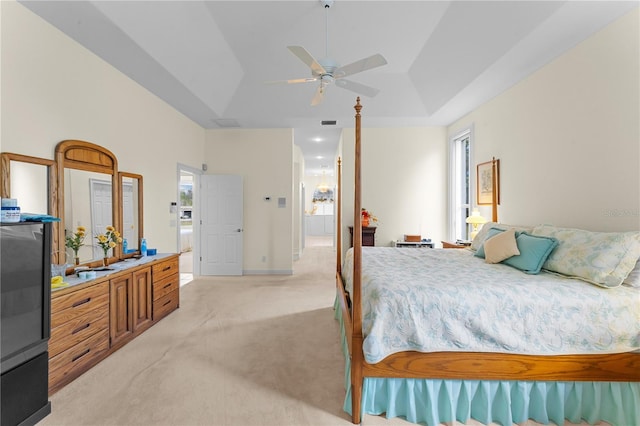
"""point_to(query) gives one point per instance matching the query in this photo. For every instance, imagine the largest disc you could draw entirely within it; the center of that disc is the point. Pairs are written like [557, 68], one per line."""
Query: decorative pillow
[534, 251]
[491, 232]
[601, 258]
[633, 279]
[501, 247]
[481, 237]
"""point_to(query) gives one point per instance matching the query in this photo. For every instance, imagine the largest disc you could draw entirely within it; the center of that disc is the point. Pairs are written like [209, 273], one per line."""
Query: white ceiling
[211, 59]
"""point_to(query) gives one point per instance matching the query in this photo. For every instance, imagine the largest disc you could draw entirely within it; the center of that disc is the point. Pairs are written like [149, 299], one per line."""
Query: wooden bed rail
[339, 218]
[357, 352]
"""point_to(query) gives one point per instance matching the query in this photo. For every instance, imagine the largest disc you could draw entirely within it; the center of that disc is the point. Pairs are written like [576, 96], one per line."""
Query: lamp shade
[475, 218]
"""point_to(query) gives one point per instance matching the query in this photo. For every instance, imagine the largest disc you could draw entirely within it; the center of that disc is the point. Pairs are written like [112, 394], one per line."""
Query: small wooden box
[412, 238]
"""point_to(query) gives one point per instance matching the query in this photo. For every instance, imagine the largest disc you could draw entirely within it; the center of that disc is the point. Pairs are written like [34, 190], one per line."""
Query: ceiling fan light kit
[327, 71]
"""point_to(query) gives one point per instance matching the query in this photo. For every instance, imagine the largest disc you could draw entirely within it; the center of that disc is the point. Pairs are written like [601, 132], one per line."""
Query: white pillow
[633, 279]
[602, 258]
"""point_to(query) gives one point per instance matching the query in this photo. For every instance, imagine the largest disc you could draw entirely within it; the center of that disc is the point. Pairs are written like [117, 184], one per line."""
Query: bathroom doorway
[188, 222]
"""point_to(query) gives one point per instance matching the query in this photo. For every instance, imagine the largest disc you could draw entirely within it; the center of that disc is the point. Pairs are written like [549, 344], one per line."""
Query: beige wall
[54, 89]
[404, 175]
[264, 158]
[568, 137]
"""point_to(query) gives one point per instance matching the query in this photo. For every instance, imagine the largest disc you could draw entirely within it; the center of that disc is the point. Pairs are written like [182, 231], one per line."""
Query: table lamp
[475, 219]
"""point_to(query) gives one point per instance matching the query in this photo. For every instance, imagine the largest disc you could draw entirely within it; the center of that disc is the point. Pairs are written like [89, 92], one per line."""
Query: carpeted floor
[253, 350]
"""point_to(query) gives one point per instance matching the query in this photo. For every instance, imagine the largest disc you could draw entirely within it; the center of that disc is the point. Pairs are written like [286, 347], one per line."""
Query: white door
[101, 212]
[221, 228]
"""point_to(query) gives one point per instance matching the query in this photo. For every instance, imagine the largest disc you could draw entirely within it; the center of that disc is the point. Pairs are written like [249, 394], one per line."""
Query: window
[460, 185]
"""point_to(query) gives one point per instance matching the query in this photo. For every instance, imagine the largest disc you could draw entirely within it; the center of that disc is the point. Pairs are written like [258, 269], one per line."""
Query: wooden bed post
[339, 218]
[494, 193]
[357, 355]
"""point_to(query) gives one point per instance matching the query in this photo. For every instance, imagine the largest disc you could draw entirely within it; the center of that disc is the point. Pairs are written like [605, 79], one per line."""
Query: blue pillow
[534, 251]
[492, 233]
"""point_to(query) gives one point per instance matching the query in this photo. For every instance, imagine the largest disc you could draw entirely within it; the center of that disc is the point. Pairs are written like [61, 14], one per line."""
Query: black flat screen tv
[25, 292]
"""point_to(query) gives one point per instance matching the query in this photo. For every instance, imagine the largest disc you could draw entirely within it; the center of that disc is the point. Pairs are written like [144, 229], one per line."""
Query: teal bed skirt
[435, 401]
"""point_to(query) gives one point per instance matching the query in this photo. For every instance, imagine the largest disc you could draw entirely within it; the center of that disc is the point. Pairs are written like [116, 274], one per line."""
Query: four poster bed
[479, 364]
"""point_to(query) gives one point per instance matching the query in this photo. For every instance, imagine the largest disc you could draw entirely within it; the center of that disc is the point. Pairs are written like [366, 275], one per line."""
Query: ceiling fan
[327, 71]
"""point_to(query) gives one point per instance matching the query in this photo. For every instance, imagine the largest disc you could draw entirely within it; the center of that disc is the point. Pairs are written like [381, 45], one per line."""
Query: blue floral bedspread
[432, 300]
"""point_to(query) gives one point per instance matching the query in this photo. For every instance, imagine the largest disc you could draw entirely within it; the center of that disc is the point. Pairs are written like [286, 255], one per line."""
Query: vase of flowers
[75, 241]
[367, 217]
[107, 241]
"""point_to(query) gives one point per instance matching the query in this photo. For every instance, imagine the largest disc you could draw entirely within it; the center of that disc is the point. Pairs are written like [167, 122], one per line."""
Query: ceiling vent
[226, 122]
[328, 122]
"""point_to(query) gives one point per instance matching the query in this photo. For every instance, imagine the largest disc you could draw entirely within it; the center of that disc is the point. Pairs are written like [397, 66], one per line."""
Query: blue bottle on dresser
[143, 247]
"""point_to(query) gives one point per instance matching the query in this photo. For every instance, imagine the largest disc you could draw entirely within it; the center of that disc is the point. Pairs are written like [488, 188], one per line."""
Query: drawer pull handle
[166, 303]
[168, 285]
[77, 357]
[82, 327]
[81, 302]
[166, 268]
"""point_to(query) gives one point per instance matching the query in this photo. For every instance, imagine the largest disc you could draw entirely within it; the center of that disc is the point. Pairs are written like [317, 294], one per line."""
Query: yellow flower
[75, 240]
[109, 239]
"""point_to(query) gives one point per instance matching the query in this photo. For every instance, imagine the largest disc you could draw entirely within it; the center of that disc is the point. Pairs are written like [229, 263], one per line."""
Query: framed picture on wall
[484, 182]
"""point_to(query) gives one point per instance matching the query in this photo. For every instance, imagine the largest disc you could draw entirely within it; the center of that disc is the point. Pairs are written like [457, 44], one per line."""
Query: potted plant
[109, 240]
[367, 217]
[75, 241]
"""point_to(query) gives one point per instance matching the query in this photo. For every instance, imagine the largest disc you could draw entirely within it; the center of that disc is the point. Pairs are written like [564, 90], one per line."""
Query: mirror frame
[52, 182]
[82, 155]
[140, 209]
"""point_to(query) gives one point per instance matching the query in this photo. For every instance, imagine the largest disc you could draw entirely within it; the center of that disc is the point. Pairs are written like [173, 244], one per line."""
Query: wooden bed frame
[623, 367]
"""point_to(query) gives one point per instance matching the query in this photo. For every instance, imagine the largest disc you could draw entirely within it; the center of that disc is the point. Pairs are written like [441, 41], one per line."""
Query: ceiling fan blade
[294, 81]
[372, 61]
[317, 98]
[357, 87]
[306, 57]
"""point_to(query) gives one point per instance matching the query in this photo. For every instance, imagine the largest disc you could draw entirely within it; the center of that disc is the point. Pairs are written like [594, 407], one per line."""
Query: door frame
[195, 214]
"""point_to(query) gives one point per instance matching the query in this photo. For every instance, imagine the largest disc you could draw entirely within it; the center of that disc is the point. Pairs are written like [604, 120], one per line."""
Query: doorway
[188, 222]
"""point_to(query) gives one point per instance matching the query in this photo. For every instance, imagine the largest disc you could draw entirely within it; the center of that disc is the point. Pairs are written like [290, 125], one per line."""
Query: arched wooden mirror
[88, 195]
[131, 212]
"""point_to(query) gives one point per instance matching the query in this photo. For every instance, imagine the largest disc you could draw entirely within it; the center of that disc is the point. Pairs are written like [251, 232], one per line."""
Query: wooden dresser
[93, 318]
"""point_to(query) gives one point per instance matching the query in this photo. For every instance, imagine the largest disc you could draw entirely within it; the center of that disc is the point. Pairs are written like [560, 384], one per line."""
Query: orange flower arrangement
[367, 217]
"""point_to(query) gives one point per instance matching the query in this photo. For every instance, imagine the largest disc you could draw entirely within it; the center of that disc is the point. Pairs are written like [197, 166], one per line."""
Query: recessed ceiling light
[317, 139]
[319, 157]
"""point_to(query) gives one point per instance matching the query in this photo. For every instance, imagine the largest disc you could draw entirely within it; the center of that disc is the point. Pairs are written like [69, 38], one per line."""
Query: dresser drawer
[78, 329]
[165, 286]
[164, 269]
[74, 361]
[166, 304]
[72, 305]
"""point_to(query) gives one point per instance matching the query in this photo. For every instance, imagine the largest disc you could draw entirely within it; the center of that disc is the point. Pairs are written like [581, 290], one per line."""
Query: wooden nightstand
[450, 245]
[368, 236]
